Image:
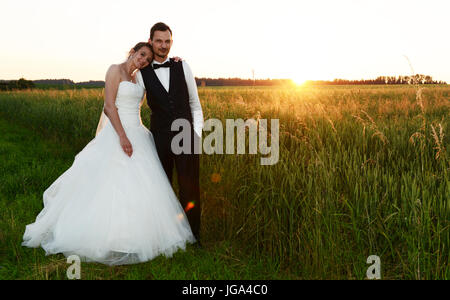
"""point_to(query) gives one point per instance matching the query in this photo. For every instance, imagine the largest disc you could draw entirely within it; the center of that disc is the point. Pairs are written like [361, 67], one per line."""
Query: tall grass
[363, 170]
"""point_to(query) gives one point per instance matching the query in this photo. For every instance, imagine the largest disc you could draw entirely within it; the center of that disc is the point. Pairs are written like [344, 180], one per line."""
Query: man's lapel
[154, 78]
[171, 77]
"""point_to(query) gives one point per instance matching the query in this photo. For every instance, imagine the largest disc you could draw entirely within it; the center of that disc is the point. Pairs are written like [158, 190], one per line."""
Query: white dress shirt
[194, 102]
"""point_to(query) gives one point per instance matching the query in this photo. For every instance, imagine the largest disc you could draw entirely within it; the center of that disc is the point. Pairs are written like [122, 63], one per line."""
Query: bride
[115, 204]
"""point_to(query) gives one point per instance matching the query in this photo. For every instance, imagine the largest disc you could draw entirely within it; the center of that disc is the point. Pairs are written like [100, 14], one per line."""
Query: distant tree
[21, 84]
[415, 79]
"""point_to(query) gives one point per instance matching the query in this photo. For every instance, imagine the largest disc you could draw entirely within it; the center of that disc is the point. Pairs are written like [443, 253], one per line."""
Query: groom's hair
[159, 27]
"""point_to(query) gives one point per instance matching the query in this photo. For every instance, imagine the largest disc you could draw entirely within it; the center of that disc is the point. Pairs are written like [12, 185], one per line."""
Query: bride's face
[142, 57]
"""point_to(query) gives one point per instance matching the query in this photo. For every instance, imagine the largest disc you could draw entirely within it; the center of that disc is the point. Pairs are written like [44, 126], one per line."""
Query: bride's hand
[177, 58]
[126, 146]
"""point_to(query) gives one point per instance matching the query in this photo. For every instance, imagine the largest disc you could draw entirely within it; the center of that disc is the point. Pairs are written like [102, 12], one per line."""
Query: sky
[301, 40]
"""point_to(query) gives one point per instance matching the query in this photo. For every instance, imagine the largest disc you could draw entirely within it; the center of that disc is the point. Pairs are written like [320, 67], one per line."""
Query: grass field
[363, 170]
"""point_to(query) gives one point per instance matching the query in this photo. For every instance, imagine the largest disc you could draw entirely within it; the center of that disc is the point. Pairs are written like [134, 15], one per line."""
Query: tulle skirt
[111, 208]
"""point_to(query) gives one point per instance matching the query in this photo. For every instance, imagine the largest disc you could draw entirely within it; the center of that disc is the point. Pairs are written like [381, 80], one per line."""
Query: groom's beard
[162, 56]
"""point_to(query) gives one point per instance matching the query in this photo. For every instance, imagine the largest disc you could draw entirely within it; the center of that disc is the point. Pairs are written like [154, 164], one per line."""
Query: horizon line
[240, 78]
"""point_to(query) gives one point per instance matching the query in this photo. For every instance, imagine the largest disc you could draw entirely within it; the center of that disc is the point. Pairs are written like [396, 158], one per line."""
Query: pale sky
[296, 39]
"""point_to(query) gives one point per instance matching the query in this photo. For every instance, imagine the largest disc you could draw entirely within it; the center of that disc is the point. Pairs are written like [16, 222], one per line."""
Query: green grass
[358, 175]
[29, 164]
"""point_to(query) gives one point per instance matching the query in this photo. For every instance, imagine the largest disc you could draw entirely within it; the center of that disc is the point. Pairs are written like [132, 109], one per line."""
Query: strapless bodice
[129, 100]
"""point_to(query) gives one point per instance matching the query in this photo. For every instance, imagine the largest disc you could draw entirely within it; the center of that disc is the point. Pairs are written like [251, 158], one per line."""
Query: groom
[172, 94]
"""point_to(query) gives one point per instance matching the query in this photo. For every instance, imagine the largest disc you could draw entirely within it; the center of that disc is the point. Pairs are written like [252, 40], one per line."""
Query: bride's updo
[139, 46]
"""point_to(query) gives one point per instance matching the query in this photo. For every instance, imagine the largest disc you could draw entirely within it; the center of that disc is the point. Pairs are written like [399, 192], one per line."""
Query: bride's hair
[139, 46]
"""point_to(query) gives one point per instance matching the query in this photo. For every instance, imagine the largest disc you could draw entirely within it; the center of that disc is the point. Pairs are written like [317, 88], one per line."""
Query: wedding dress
[111, 208]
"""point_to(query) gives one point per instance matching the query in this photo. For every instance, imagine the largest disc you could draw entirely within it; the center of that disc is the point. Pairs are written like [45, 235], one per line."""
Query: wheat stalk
[372, 125]
[438, 140]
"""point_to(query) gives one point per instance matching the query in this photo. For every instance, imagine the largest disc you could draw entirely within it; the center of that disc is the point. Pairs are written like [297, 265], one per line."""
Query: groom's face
[161, 42]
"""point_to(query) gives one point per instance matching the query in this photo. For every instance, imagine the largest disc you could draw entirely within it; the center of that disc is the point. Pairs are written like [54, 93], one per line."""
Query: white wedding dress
[111, 208]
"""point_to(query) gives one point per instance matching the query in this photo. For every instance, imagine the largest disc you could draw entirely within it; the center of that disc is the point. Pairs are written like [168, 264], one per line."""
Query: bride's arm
[112, 81]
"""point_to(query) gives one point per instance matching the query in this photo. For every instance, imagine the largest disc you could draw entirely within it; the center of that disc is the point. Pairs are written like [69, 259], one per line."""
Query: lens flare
[189, 206]
[216, 177]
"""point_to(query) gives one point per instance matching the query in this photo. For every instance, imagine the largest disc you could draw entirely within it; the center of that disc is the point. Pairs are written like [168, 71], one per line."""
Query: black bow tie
[167, 64]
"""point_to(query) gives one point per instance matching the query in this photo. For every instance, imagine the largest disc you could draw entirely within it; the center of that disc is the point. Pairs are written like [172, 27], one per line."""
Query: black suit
[167, 107]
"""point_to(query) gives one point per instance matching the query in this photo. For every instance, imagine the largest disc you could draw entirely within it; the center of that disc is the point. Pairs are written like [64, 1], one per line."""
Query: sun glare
[299, 80]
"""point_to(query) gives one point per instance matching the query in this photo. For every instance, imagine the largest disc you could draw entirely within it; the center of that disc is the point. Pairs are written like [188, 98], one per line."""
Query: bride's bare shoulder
[113, 68]
[113, 71]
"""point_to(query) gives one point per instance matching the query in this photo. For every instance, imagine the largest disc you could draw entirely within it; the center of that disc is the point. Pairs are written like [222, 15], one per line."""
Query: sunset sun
[299, 79]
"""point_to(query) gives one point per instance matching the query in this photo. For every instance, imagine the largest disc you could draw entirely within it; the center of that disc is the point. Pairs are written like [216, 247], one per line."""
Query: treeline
[241, 82]
[96, 83]
[69, 84]
[21, 84]
[415, 79]
[54, 81]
